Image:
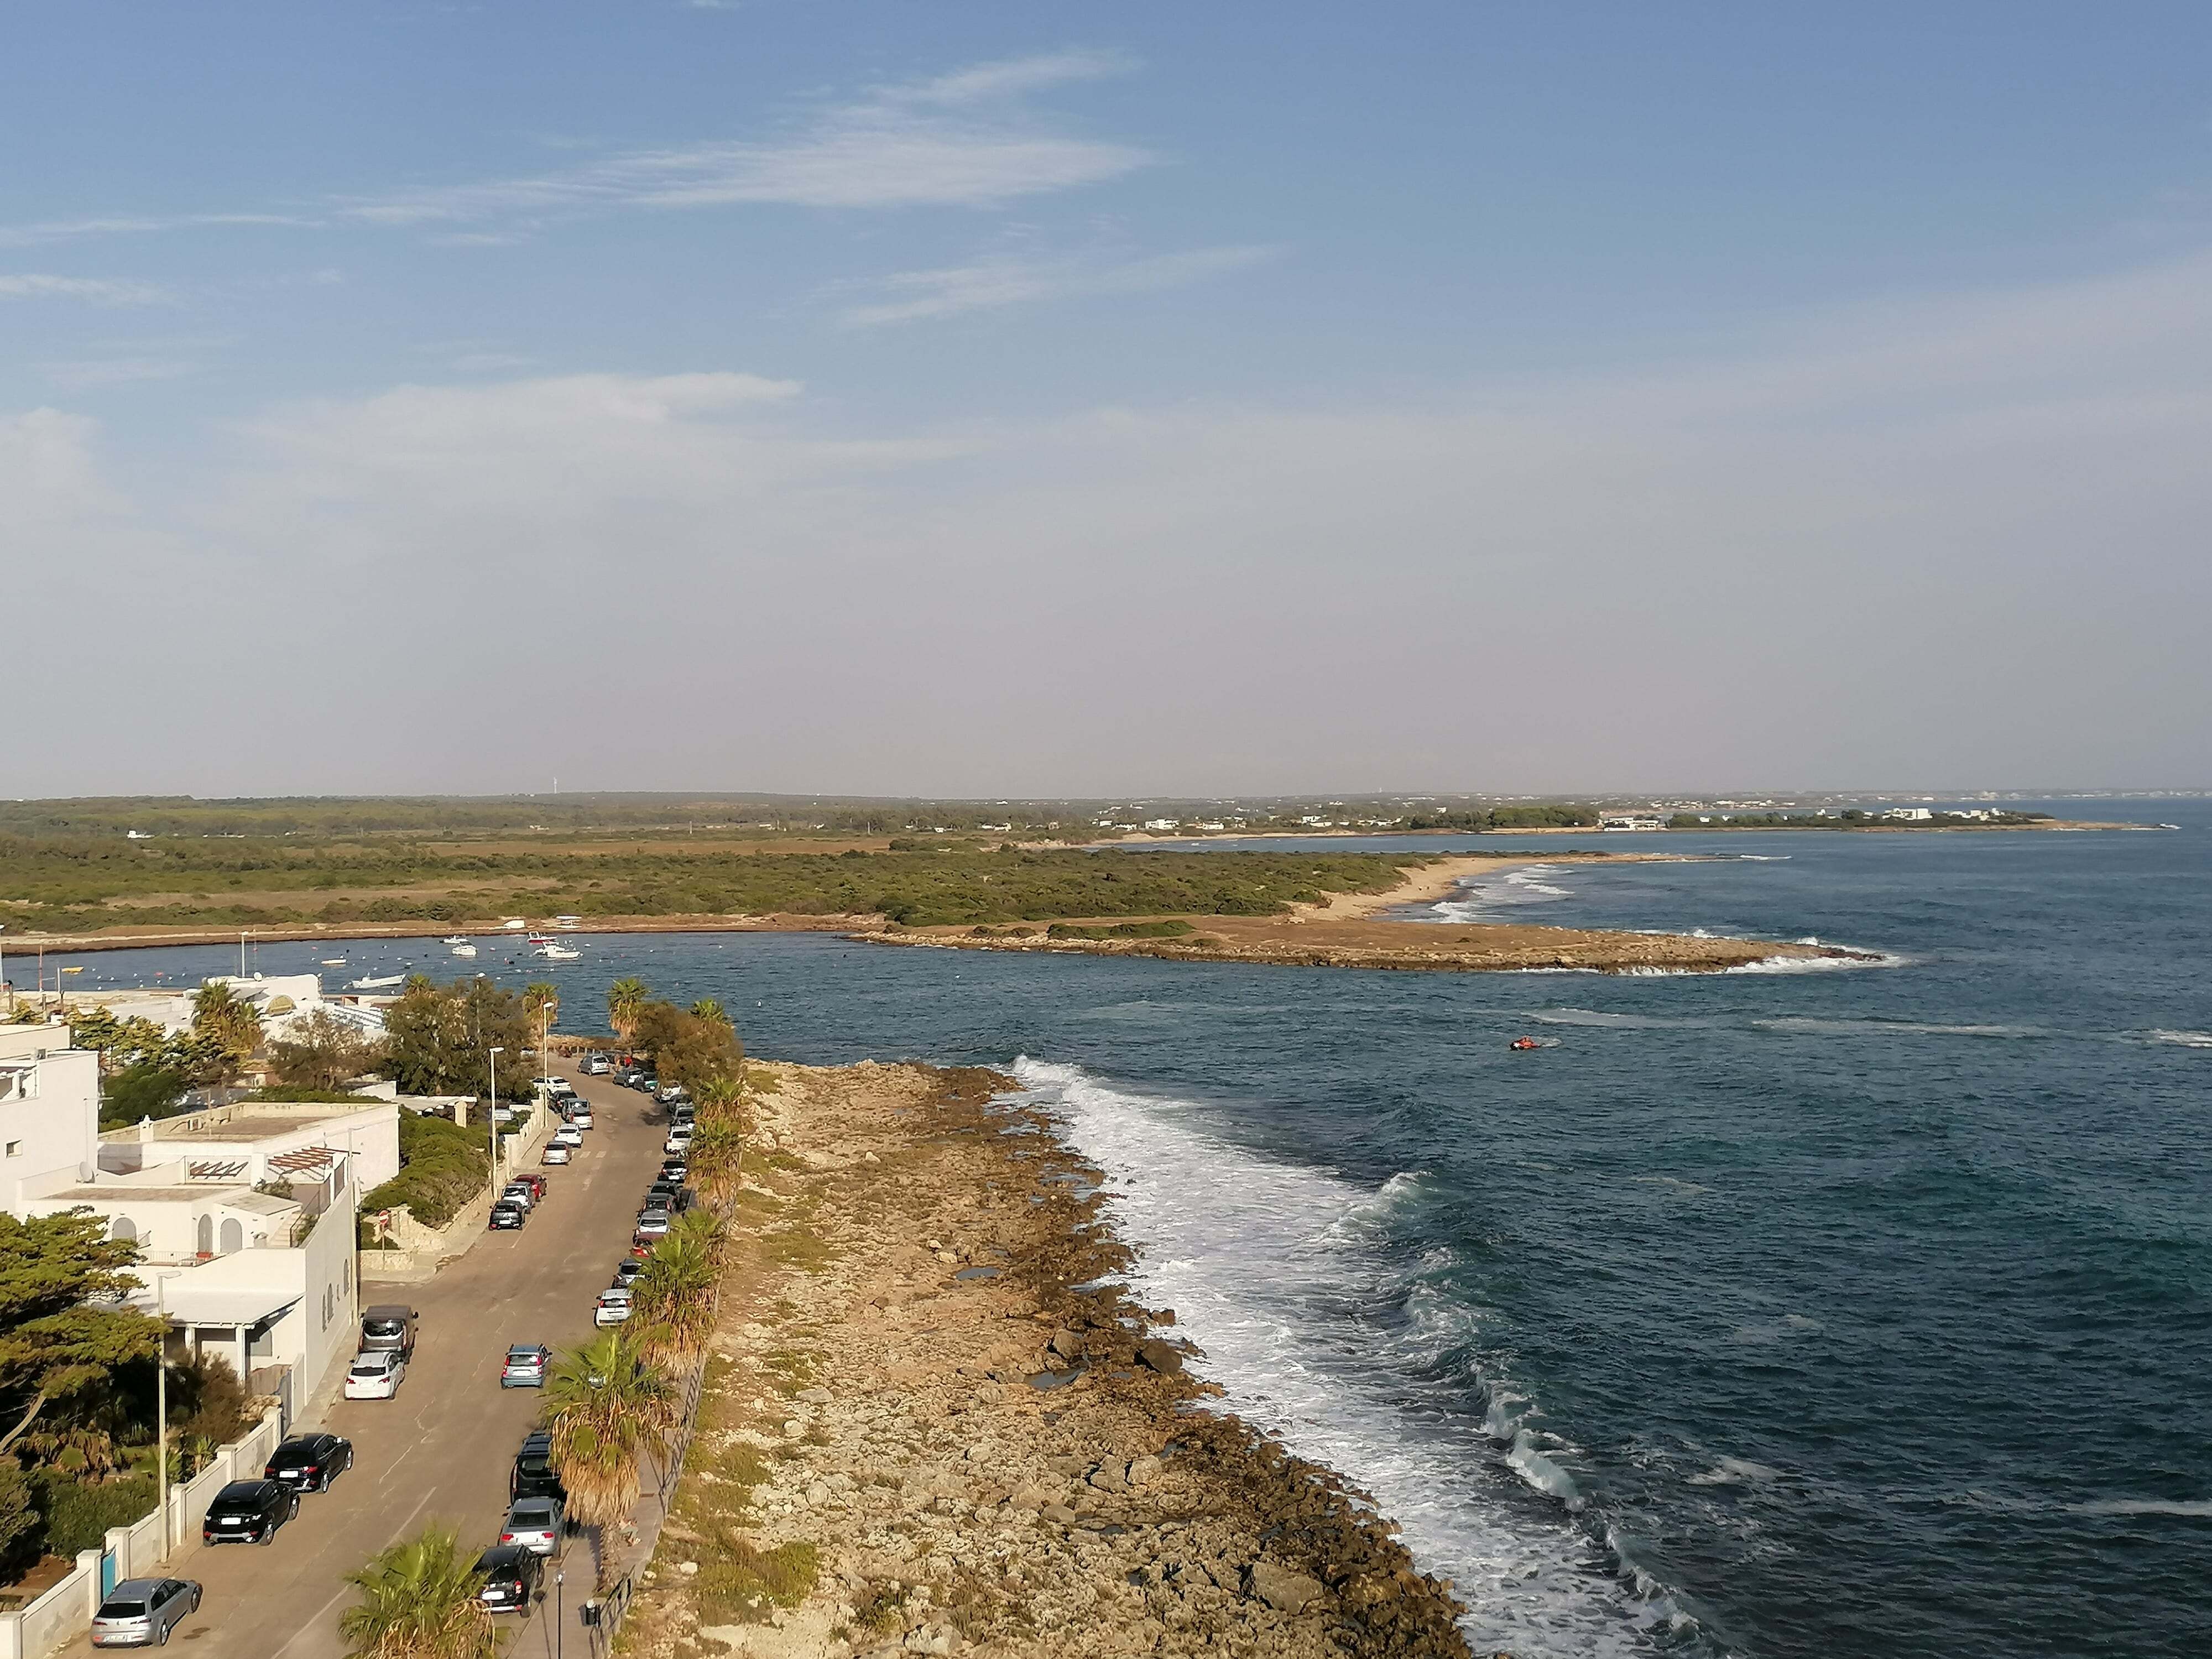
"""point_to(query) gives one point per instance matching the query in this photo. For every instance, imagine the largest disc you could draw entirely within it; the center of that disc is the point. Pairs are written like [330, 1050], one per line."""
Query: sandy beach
[920, 1435]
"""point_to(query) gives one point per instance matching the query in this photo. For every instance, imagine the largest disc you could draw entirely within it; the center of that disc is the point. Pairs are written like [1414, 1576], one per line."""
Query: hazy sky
[992, 398]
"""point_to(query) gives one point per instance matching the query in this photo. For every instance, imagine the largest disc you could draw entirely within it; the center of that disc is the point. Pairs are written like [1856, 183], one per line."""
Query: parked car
[675, 1094]
[675, 1167]
[535, 1525]
[533, 1475]
[248, 1512]
[653, 1223]
[506, 1216]
[626, 1272]
[595, 1066]
[580, 1115]
[646, 1084]
[375, 1375]
[537, 1183]
[309, 1463]
[679, 1140]
[568, 1135]
[389, 1325]
[518, 1192]
[628, 1075]
[555, 1152]
[510, 1572]
[527, 1366]
[614, 1305]
[140, 1612]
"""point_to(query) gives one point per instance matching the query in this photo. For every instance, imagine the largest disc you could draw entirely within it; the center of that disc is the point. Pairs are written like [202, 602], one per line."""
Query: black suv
[248, 1512]
[309, 1463]
[511, 1574]
[533, 1475]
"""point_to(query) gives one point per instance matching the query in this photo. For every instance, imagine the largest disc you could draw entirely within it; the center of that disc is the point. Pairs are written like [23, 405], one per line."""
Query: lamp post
[494, 1115]
[560, 1621]
[3, 969]
[162, 1404]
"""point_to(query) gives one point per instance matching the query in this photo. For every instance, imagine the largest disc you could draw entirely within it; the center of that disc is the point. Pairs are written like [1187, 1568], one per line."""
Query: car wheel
[161, 1637]
[196, 1598]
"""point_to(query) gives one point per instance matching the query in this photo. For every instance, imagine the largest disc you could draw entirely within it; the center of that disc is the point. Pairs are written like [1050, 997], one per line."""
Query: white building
[244, 1216]
[1631, 821]
[1908, 814]
[279, 999]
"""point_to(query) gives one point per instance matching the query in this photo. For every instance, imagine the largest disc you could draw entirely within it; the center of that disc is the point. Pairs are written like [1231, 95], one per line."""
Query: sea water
[1853, 1312]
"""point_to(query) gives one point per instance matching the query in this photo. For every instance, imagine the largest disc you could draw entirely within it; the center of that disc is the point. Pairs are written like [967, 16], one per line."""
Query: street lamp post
[494, 1115]
[162, 1404]
[3, 969]
[560, 1619]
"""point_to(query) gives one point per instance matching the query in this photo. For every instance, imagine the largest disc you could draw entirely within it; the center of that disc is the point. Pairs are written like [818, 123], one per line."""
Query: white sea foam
[2183, 1039]
[1889, 1027]
[1273, 1270]
[1480, 898]
[1736, 1472]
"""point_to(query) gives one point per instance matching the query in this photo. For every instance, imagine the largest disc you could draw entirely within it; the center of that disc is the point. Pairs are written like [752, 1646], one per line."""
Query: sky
[995, 400]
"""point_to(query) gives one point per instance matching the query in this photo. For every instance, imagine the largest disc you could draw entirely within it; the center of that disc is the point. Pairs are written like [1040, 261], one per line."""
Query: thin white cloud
[89, 374]
[67, 230]
[96, 290]
[962, 140]
[989, 284]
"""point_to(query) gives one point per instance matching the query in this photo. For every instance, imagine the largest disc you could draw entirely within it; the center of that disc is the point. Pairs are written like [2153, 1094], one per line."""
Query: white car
[679, 1140]
[567, 1135]
[375, 1375]
[582, 1116]
[614, 1306]
[557, 1153]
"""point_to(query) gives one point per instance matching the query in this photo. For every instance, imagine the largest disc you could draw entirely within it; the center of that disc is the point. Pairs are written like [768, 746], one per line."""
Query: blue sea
[1861, 1311]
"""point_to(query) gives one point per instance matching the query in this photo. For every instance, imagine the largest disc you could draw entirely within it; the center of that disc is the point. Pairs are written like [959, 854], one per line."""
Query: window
[122, 1228]
[15, 1148]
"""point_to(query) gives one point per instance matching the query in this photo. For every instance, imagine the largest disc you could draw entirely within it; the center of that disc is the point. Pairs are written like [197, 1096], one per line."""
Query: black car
[511, 1574]
[533, 1475]
[675, 1168]
[507, 1217]
[248, 1512]
[309, 1463]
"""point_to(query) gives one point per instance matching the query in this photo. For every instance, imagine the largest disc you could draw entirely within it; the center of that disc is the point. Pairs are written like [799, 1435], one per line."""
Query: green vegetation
[418, 1599]
[1126, 930]
[442, 1165]
[748, 1583]
[1851, 818]
[437, 1040]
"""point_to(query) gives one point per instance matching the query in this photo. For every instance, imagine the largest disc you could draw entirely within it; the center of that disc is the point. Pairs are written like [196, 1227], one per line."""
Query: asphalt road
[443, 1448]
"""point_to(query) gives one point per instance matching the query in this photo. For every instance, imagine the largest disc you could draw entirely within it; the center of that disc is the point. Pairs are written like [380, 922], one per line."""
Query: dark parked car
[675, 1167]
[140, 1612]
[505, 1217]
[511, 1575]
[534, 1476]
[248, 1512]
[390, 1326]
[309, 1463]
[626, 1272]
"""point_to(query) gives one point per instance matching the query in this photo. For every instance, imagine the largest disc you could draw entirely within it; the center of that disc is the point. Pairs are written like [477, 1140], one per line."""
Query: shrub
[442, 1166]
[77, 1516]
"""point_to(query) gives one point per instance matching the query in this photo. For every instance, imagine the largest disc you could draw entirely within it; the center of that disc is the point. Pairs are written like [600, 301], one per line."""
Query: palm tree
[717, 1155]
[719, 1096]
[605, 1406]
[419, 1600]
[232, 1022]
[672, 1303]
[708, 1009]
[626, 1000]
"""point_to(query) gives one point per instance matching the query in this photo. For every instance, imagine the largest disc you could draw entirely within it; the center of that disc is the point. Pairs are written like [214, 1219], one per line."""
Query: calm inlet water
[1834, 1313]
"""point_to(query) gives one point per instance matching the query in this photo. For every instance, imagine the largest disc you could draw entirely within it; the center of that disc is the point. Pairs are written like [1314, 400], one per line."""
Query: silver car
[535, 1525]
[140, 1612]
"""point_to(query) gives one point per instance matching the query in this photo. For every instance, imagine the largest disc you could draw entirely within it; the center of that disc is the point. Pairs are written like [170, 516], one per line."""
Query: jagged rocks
[1282, 1588]
[1159, 1357]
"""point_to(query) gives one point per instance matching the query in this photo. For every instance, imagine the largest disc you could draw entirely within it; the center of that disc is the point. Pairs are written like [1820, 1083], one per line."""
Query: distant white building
[1631, 821]
[1163, 823]
[244, 1216]
[281, 999]
[1908, 814]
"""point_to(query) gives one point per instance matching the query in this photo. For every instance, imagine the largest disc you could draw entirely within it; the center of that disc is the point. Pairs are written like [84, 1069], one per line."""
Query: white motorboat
[559, 953]
[385, 983]
[465, 950]
[334, 961]
[454, 938]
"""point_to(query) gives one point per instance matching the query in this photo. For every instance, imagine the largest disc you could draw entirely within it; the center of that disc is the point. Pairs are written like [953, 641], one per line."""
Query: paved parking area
[443, 1448]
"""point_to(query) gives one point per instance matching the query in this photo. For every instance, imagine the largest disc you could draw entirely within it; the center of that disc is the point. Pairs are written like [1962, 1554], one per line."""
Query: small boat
[454, 938]
[1525, 1042]
[388, 981]
[559, 953]
[333, 962]
[567, 924]
[465, 950]
[539, 938]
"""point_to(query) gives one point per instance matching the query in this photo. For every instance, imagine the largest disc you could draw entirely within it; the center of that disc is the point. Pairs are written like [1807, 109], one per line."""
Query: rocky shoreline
[927, 1428]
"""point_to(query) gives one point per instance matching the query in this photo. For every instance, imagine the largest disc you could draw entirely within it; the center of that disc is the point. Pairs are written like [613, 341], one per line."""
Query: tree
[540, 997]
[626, 1000]
[233, 1025]
[55, 1345]
[19, 1518]
[717, 1154]
[324, 1052]
[673, 1302]
[605, 1407]
[708, 1009]
[419, 1599]
[145, 1088]
[685, 1048]
[437, 1041]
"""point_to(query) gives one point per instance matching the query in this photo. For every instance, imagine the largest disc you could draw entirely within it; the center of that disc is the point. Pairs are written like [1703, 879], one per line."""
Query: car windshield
[240, 1492]
[522, 1352]
[371, 1364]
[535, 1515]
[384, 1327]
[124, 1606]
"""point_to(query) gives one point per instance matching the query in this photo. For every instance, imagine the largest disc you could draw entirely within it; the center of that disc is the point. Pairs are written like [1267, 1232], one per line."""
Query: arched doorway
[203, 1236]
[123, 1229]
[234, 1235]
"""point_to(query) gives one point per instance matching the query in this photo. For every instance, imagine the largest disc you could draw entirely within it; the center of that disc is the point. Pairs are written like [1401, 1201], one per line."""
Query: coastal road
[443, 1449]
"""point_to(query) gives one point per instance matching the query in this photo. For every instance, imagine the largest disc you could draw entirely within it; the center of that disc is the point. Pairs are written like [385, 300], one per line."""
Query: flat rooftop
[246, 1120]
